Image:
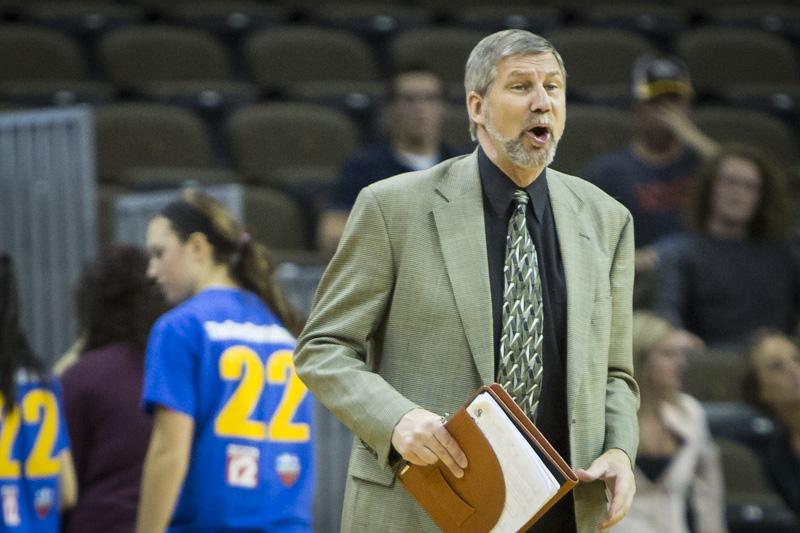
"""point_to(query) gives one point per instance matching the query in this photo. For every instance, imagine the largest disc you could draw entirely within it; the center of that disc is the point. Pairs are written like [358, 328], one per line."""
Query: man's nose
[540, 100]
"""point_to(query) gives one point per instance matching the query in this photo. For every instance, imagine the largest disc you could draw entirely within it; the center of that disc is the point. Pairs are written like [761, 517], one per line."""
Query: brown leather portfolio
[477, 502]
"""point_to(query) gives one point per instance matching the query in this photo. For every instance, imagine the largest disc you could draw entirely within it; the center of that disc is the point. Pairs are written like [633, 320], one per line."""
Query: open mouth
[539, 134]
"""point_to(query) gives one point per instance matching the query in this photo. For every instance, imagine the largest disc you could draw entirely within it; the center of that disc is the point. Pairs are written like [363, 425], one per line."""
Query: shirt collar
[499, 189]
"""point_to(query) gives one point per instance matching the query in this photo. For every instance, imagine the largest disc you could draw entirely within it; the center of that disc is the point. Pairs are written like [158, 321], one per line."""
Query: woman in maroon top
[116, 305]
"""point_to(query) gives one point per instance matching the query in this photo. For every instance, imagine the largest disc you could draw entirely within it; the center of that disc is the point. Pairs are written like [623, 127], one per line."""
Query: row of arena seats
[37, 62]
[278, 143]
[383, 17]
[296, 149]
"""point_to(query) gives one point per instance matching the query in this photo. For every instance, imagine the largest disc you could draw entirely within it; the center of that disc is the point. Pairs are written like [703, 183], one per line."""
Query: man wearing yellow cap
[651, 177]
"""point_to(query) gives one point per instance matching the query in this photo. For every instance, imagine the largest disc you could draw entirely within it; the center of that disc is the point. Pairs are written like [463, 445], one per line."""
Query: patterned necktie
[520, 368]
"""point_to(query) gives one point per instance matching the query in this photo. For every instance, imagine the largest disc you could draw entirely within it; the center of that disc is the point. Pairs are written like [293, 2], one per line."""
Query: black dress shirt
[551, 419]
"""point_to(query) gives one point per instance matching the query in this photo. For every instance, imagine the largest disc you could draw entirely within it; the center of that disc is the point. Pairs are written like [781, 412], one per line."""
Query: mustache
[539, 120]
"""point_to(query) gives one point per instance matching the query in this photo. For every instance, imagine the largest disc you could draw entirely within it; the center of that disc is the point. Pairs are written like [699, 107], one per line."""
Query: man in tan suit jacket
[401, 330]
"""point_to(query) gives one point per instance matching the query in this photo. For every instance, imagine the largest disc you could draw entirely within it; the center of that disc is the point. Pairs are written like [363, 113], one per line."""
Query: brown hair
[750, 388]
[15, 352]
[771, 219]
[248, 260]
[115, 300]
[648, 330]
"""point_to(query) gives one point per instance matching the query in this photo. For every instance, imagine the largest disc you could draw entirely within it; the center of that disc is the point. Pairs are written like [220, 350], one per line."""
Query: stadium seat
[782, 19]
[780, 100]
[82, 19]
[443, 50]
[230, 19]
[281, 58]
[449, 6]
[377, 23]
[146, 145]
[275, 218]
[136, 56]
[39, 66]
[362, 101]
[599, 60]
[699, 7]
[714, 376]
[491, 18]
[653, 20]
[739, 422]
[721, 57]
[173, 64]
[297, 147]
[752, 505]
[591, 131]
[730, 124]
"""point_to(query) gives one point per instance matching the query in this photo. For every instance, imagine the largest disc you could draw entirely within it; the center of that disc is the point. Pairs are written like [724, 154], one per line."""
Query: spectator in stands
[116, 304]
[652, 176]
[736, 271]
[231, 447]
[414, 124]
[772, 382]
[677, 463]
[35, 488]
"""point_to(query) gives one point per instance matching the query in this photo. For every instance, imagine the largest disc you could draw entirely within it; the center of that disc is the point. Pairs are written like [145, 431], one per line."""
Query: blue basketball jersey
[32, 436]
[223, 358]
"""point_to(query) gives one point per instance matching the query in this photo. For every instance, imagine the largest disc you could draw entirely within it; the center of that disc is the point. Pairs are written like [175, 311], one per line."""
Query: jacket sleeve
[622, 392]
[333, 356]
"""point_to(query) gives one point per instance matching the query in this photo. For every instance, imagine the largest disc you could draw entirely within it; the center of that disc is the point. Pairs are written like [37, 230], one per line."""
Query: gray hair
[481, 68]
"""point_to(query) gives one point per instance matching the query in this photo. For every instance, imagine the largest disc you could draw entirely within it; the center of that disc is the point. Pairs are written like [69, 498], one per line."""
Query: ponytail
[248, 261]
[252, 269]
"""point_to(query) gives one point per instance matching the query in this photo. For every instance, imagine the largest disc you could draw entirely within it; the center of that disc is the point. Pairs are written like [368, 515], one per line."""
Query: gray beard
[518, 155]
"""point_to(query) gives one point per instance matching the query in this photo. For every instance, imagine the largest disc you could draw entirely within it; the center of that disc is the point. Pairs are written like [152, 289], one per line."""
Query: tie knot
[521, 197]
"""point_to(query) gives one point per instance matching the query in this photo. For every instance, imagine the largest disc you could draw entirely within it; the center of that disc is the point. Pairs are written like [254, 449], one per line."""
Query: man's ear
[475, 107]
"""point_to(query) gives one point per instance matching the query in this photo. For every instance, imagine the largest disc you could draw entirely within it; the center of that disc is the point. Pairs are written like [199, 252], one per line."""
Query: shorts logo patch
[288, 467]
[43, 501]
[10, 495]
[242, 466]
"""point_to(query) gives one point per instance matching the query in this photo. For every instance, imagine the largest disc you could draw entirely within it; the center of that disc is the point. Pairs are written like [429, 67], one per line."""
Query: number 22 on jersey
[243, 364]
[38, 407]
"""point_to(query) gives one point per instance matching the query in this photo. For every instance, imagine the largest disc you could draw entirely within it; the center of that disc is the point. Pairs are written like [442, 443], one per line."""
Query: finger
[426, 455]
[442, 453]
[620, 502]
[616, 512]
[596, 471]
[418, 454]
[452, 447]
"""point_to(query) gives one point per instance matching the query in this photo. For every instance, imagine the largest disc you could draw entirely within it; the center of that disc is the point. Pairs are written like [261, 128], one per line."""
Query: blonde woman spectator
[678, 474]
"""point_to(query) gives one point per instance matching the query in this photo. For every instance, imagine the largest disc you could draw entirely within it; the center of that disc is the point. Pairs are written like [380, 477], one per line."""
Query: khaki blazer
[403, 318]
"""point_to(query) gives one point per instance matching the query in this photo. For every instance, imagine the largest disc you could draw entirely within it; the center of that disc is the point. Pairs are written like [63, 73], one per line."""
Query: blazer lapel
[458, 214]
[574, 241]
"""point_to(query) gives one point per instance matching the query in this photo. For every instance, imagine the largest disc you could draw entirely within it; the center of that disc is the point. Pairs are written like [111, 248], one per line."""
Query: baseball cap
[656, 75]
